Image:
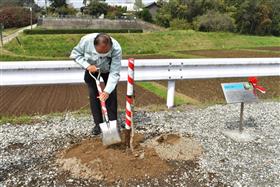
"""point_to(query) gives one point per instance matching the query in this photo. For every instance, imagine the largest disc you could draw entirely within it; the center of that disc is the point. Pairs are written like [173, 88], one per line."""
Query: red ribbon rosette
[254, 82]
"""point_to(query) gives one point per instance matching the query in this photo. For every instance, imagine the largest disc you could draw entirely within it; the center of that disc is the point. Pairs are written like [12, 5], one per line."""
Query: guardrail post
[170, 93]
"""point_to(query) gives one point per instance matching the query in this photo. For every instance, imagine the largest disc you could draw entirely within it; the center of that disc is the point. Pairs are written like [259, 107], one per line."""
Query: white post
[170, 93]
[31, 17]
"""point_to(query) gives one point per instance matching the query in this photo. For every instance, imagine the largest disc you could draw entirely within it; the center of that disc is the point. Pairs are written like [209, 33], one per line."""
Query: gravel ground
[255, 163]
[27, 151]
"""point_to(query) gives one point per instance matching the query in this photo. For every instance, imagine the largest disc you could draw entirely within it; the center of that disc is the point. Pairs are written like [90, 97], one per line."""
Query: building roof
[151, 4]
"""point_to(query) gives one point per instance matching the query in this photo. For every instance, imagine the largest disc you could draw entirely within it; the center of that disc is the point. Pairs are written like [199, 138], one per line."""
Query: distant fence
[60, 72]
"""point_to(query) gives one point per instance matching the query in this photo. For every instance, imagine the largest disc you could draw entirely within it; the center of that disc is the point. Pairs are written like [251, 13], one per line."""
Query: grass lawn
[161, 91]
[166, 43]
[24, 119]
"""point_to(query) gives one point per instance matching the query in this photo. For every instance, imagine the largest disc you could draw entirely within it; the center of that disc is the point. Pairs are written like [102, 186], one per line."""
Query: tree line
[259, 17]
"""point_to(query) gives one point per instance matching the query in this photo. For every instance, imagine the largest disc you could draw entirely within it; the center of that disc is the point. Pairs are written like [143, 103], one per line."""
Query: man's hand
[104, 96]
[92, 68]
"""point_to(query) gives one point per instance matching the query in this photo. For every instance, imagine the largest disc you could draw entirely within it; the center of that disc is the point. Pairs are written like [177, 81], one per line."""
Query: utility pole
[29, 6]
[31, 17]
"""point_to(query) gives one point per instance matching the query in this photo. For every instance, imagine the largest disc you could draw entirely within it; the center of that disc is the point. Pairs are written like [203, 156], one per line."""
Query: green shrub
[80, 31]
[180, 24]
[214, 21]
[146, 15]
[96, 8]
[163, 19]
[66, 10]
[115, 12]
[276, 29]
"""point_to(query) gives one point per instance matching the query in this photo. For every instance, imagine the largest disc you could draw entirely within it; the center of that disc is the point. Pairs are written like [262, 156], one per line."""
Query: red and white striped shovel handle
[103, 103]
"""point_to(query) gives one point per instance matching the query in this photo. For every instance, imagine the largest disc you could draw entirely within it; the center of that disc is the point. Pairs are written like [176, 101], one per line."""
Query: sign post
[241, 92]
[241, 117]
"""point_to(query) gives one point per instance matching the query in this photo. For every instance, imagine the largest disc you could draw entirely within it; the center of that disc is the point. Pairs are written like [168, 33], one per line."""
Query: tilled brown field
[44, 99]
[269, 48]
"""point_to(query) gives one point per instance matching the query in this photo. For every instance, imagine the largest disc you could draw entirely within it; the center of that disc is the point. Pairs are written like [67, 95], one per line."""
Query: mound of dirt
[91, 160]
[175, 147]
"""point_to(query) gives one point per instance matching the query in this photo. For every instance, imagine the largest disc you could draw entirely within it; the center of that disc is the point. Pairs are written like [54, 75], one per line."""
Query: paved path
[15, 34]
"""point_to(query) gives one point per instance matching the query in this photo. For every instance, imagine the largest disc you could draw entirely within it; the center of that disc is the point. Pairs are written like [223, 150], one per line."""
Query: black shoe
[96, 130]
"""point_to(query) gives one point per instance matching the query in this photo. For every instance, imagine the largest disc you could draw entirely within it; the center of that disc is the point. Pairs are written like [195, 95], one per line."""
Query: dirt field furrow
[269, 48]
[44, 99]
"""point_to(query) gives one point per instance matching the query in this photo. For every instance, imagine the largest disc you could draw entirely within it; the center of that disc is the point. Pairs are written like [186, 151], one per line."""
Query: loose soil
[175, 147]
[91, 160]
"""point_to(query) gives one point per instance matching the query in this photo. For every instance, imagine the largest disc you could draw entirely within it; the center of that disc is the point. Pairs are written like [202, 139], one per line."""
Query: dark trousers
[111, 102]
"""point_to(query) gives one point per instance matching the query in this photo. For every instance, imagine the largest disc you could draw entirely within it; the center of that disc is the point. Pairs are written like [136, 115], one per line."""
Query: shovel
[109, 129]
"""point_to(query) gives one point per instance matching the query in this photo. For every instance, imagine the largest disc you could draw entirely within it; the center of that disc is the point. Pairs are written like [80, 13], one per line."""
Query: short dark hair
[103, 38]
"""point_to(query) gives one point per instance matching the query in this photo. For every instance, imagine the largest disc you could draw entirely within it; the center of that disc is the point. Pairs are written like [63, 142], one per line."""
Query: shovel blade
[110, 133]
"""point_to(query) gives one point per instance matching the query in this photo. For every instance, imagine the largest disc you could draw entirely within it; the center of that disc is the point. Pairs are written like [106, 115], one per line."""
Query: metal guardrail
[67, 72]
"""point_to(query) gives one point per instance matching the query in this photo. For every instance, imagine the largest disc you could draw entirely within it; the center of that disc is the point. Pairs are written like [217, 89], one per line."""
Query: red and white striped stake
[129, 105]
[129, 94]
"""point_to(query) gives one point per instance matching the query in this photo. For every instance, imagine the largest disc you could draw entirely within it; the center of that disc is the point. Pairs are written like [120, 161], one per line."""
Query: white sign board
[239, 92]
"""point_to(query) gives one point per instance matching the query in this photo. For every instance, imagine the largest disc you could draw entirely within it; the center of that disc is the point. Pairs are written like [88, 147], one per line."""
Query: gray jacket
[85, 55]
